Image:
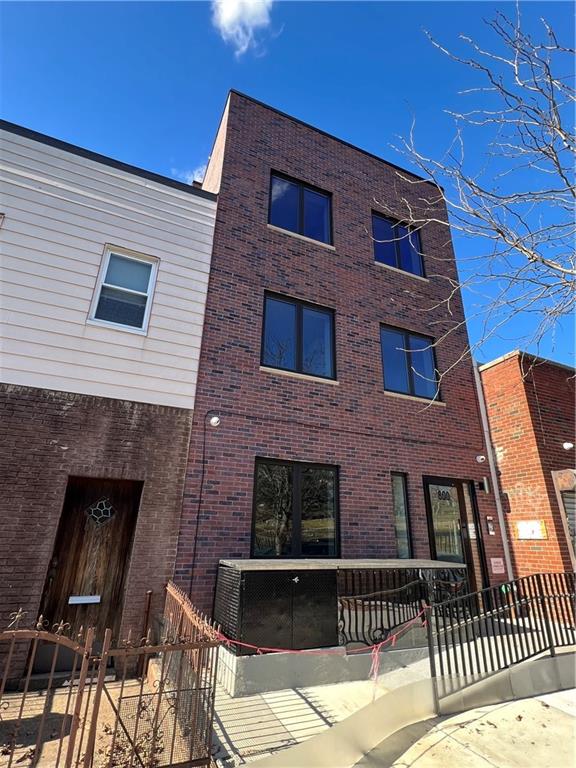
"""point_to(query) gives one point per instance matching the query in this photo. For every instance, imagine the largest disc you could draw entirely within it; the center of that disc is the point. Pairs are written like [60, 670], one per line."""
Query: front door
[447, 523]
[85, 581]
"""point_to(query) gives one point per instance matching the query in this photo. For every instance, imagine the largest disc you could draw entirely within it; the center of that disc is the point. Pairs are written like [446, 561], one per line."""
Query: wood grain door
[86, 576]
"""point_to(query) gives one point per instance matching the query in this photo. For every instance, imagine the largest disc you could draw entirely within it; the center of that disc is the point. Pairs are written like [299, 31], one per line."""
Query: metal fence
[474, 636]
[372, 603]
[104, 704]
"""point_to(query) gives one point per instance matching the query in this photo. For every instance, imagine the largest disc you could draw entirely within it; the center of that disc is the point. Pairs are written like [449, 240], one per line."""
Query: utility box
[277, 605]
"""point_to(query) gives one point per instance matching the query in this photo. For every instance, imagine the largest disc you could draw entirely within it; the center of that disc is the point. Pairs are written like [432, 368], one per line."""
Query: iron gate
[144, 704]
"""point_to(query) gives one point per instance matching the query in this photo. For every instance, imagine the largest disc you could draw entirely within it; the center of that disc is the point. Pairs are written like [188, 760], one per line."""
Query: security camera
[215, 421]
[480, 459]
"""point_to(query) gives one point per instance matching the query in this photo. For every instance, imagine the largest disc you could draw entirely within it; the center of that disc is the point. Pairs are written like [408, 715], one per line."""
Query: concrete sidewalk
[531, 733]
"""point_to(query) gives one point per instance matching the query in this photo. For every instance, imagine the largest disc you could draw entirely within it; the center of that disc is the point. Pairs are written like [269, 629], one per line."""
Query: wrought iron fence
[105, 704]
[476, 635]
[372, 603]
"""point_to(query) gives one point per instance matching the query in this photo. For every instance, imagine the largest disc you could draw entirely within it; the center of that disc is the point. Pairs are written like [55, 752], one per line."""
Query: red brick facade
[530, 405]
[353, 424]
[49, 436]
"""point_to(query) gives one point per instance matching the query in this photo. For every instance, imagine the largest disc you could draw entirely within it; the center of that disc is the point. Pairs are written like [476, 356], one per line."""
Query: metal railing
[372, 603]
[474, 636]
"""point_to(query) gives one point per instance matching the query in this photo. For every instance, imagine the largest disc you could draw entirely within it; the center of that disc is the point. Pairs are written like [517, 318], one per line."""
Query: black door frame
[458, 484]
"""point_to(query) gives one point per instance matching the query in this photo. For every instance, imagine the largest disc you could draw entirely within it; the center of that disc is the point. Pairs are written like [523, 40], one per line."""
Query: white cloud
[237, 20]
[197, 174]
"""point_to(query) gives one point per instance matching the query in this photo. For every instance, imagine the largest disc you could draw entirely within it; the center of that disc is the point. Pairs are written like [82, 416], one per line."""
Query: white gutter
[493, 471]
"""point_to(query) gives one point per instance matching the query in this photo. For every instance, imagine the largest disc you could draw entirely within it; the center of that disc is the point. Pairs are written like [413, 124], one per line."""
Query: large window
[408, 363]
[298, 337]
[124, 291]
[401, 517]
[300, 208]
[295, 510]
[396, 245]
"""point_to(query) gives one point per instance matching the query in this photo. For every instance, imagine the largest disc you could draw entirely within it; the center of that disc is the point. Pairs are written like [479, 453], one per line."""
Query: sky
[146, 82]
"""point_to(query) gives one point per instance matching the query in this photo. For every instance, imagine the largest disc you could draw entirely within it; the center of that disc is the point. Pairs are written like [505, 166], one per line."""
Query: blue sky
[146, 82]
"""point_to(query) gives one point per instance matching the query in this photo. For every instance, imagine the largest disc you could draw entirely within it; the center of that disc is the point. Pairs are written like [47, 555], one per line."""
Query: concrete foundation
[246, 675]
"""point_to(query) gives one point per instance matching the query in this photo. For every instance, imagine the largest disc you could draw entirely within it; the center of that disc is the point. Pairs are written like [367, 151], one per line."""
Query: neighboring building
[530, 404]
[313, 436]
[104, 277]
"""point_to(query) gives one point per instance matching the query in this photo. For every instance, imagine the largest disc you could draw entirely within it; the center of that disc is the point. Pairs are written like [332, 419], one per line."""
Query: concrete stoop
[347, 742]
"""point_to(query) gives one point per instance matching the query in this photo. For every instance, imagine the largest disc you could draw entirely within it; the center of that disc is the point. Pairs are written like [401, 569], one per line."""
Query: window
[298, 337]
[397, 245]
[401, 519]
[295, 510]
[124, 293]
[408, 363]
[299, 208]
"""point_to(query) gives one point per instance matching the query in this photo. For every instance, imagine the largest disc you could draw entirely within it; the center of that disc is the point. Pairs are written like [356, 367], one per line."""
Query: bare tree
[517, 205]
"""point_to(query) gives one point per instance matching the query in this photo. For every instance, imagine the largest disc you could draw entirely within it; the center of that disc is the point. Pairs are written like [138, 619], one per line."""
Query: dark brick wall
[353, 424]
[48, 436]
[531, 412]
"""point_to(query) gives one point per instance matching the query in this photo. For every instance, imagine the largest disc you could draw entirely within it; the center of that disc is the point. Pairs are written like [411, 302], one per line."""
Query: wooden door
[85, 581]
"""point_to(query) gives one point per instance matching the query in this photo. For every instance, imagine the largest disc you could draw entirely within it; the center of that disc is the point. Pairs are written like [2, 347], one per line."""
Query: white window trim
[134, 256]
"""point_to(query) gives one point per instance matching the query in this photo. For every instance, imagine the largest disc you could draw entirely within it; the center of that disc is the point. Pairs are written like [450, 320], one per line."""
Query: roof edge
[520, 353]
[96, 157]
[331, 136]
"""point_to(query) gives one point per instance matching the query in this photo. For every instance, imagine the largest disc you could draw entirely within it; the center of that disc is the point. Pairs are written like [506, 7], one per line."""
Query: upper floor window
[397, 245]
[124, 291]
[298, 337]
[408, 363]
[295, 510]
[300, 208]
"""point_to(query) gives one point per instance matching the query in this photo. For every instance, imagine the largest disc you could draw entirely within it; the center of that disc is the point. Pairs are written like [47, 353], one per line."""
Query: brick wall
[48, 436]
[531, 412]
[353, 424]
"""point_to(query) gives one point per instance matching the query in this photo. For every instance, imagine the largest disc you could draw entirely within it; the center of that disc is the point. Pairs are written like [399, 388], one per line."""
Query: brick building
[316, 432]
[104, 277]
[530, 405]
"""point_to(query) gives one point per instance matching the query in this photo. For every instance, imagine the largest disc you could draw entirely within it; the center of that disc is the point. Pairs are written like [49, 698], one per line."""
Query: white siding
[60, 211]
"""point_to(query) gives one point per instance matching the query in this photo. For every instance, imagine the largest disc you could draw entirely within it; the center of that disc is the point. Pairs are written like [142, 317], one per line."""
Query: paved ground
[532, 733]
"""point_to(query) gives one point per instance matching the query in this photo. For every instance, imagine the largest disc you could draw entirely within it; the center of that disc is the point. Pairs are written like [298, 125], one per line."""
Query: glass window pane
[394, 361]
[316, 216]
[400, 516]
[128, 273]
[318, 512]
[284, 204]
[384, 245]
[273, 510]
[317, 342]
[446, 522]
[280, 334]
[422, 358]
[409, 246]
[117, 306]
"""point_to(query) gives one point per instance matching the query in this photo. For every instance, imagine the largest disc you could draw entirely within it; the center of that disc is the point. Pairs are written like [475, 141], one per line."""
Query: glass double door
[452, 525]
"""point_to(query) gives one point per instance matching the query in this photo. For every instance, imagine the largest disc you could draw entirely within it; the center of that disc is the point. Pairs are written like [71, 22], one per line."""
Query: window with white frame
[124, 292]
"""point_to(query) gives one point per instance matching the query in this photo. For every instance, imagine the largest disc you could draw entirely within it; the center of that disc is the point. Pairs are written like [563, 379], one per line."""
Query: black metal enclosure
[302, 604]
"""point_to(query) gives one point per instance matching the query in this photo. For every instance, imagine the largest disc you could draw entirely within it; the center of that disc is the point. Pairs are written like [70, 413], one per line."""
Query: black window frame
[408, 352]
[396, 242]
[300, 306]
[302, 185]
[296, 551]
[404, 477]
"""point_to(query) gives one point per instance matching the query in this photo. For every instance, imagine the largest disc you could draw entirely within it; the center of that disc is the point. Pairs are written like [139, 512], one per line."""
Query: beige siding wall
[60, 211]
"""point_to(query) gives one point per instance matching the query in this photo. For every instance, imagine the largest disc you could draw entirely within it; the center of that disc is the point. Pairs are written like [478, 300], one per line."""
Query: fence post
[546, 615]
[428, 613]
